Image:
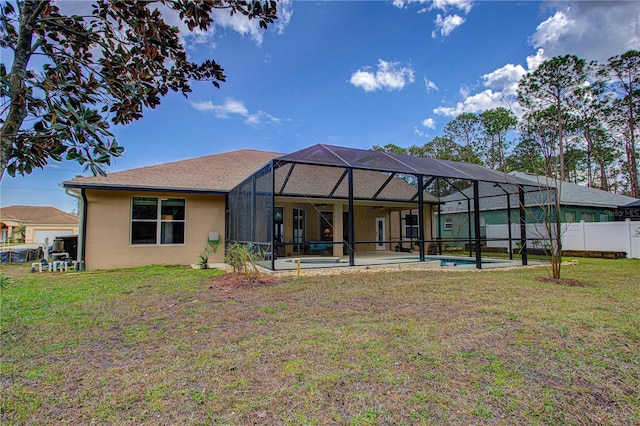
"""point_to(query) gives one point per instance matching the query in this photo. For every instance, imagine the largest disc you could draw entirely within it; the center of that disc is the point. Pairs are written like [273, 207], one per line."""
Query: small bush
[203, 256]
[242, 259]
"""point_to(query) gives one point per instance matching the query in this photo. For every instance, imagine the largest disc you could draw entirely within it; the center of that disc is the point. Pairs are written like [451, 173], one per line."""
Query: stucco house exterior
[322, 200]
[39, 222]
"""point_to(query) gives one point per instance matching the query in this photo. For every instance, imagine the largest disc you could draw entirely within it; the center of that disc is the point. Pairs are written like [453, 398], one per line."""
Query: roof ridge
[194, 158]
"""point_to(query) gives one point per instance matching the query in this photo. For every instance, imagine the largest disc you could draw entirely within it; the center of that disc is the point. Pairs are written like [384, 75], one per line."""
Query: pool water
[448, 260]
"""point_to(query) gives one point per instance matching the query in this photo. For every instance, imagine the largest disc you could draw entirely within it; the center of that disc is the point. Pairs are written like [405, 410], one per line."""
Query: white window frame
[448, 223]
[159, 222]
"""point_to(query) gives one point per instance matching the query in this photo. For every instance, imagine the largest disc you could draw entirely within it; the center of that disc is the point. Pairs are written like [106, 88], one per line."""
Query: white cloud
[285, 13]
[487, 99]
[430, 85]
[240, 24]
[505, 79]
[420, 133]
[594, 30]
[589, 29]
[260, 118]
[234, 107]
[444, 5]
[534, 61]
[251, 27]
[446, 25]
[389, 76]
[364, 79]
[222, 19]
[429, 123]
[230, 106]
[203, 106]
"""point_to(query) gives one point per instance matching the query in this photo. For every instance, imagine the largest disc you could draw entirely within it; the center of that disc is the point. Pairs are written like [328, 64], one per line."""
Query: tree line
[578, 123]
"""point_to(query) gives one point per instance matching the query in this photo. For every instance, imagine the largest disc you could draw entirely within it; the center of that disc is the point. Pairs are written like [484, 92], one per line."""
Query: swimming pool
[384, 259]
[315, 259]
[445, 260]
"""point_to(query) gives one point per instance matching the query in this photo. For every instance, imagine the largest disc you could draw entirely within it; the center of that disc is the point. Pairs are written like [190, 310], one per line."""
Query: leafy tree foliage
[525, 157]
[551, 88]
[622, 73]
[589, 125]
[466, 130]
[439, 147]
[580, 124]
[105, 67]
[444, 148]
[391, 148]
[496, 124]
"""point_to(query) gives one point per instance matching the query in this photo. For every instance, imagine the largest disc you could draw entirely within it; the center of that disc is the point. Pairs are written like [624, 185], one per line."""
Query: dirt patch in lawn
[563, 281]
[236, 281]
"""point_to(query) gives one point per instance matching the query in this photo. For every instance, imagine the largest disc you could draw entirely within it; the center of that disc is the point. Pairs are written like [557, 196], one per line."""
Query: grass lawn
[170, 345]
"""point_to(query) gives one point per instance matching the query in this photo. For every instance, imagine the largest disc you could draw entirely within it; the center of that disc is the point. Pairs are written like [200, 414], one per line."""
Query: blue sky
[355, 74]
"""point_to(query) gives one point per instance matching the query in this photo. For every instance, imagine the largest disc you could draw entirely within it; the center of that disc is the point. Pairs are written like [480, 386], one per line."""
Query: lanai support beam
[523, 226]
[273, 216]
[476, 222]
[509, 223]
[384, 185]
[439, 224]
[286, 179]
[352, 260]
[421, 216]
[335, 187]
[469, 226]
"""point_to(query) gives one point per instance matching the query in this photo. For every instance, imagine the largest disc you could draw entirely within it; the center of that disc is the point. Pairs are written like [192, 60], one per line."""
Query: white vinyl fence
[588, 236]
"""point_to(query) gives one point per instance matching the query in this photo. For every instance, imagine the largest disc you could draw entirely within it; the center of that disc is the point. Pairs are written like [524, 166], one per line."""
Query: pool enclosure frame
[370, 181]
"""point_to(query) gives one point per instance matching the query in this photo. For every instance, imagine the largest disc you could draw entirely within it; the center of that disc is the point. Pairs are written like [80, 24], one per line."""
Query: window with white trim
[448, 224]
[157, 220]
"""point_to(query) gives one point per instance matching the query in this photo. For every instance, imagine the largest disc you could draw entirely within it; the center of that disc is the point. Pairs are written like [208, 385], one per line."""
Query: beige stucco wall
[8, 227]
[108, 239]
[364, 225]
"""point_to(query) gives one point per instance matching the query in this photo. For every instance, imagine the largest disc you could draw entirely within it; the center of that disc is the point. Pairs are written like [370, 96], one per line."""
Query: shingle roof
[211, 173]
[578, 195]
[339, 156]
[38, 215]
[320, 181]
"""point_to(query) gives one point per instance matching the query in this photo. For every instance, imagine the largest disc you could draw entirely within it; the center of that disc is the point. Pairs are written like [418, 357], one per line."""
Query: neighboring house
[34, 224]
[578, 203]
[322, 200]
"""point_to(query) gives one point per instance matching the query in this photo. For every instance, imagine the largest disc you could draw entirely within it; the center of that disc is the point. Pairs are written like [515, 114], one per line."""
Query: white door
[41, 234]
[299, 227]
[380, 233]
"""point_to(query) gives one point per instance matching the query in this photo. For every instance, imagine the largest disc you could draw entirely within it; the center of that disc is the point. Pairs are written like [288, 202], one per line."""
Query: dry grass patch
[175, 346]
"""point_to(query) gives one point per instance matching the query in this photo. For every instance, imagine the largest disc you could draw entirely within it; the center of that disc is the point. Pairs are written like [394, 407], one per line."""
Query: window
[570, 217]
[588, 217]
[152, 216]
[411, 226]
[448, 223]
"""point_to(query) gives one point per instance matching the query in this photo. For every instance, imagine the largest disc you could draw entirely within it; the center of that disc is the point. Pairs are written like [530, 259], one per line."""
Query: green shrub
[203, 256]
[242, 259]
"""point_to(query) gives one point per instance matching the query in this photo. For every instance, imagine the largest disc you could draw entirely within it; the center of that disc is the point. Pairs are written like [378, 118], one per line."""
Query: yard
[170, 345]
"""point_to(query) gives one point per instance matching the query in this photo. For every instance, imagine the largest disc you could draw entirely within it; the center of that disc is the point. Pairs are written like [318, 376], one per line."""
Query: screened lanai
[335, 206]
